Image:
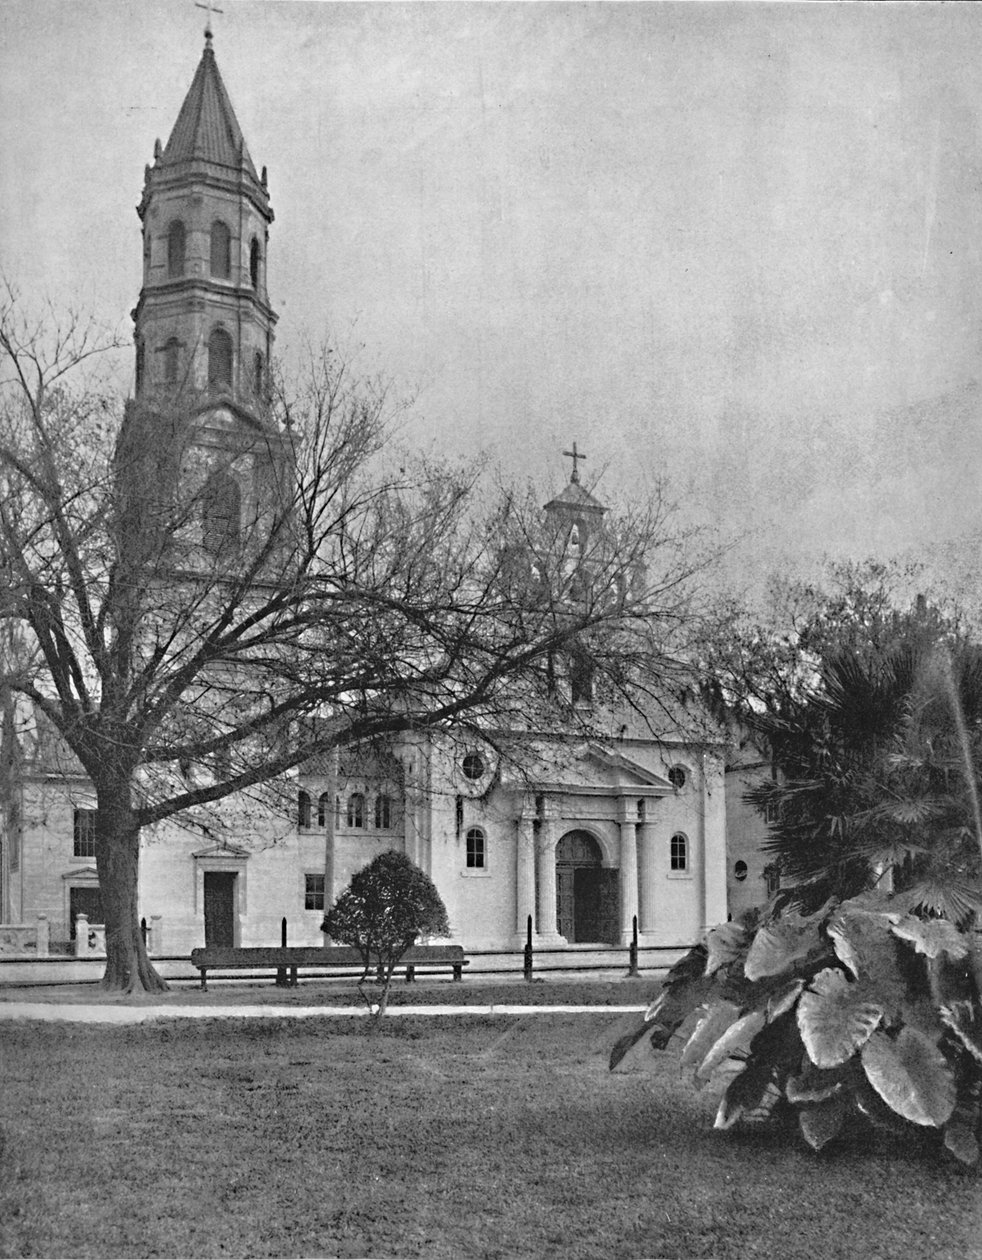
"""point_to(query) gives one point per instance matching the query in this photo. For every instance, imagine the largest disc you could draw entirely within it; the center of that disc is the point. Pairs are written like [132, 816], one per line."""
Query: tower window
[323, 806]
[259, 373]
[254, 257]
[140, 365]
[303, 809]
[219, 358]
[676, 776]
[581, 678]
[476, 850]
[175, 249]
[383, 812]
[356, 810]
[221, 514]
[83, 833]
[221, 250]
[678, 853]
[171, 359]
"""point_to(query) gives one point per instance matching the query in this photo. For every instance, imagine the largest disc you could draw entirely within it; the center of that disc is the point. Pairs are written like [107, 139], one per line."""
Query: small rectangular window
[83, 833]
[313, 895]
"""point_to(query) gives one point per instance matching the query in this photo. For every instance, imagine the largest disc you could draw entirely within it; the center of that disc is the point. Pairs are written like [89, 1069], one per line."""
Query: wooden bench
[291, 958]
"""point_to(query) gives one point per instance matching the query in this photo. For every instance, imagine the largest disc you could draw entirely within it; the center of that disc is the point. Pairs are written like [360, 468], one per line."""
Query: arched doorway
[586, 892]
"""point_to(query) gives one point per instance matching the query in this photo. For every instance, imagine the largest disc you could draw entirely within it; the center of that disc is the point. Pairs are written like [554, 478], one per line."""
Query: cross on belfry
[575, 456]
[211, 8]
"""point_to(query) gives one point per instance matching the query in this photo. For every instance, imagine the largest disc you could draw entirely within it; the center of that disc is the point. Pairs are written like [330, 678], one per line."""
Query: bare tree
[187, 647]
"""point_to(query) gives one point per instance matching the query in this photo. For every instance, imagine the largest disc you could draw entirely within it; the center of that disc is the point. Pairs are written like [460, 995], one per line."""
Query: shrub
[387, 905]
[857, 1013]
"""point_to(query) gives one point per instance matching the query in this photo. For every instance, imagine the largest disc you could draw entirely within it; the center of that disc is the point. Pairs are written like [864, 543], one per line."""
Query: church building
[584, 834]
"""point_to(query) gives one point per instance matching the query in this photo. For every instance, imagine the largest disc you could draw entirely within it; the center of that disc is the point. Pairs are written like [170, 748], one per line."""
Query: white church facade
[587, 835]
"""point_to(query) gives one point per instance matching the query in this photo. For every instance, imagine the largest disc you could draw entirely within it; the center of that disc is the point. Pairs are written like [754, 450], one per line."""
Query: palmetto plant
[859, 1012]
[879, 780]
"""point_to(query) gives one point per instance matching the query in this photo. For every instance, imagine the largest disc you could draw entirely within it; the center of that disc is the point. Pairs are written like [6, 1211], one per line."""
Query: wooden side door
[219, 908]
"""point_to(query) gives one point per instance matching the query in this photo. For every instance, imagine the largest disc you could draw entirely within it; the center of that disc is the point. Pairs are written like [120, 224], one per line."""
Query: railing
[90, 938]
[26, 939]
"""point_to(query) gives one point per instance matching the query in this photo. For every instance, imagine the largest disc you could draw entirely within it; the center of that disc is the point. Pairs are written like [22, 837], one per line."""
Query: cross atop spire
[211, 8]
[575, 456]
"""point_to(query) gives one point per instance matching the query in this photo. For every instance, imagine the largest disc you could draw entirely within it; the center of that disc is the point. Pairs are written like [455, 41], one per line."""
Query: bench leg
[410, 973]
[293, 977]
[204, 973]
[457, 971]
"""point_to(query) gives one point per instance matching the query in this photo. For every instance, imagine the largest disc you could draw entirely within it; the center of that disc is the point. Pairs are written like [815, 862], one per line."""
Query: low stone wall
[25, 940]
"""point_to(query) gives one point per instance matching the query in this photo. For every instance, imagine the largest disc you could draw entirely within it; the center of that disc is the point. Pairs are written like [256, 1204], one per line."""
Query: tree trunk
[128, 968]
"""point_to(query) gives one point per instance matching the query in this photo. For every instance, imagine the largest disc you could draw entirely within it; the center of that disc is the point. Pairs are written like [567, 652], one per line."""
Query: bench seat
[291, 958]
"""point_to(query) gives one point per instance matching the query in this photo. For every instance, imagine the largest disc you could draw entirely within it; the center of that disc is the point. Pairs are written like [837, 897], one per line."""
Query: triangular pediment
[585, 767]
[625, 770]
[82, 874]
[221, 851]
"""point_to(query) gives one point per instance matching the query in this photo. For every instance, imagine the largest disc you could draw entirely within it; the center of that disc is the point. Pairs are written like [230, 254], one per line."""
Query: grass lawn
[440, 1137]
[432, 991]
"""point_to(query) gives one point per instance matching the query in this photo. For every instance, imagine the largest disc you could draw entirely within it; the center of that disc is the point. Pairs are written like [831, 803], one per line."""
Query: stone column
[647, 872]
[524, 876]
[713, 856]
[330, 820]
[627, 817]
[546, 882]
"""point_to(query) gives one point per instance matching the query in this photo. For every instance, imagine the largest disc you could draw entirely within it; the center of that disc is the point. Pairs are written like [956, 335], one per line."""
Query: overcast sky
[739, 245]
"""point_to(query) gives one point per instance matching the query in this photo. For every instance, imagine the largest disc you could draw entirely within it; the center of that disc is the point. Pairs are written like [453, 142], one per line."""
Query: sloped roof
[575, 498]
[206, 128]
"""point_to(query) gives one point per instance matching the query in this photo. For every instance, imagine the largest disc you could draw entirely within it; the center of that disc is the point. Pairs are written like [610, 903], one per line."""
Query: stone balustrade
[90, 938]
[28, 940]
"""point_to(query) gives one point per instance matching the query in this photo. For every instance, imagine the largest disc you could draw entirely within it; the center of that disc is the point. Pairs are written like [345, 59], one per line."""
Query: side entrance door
[219, 908]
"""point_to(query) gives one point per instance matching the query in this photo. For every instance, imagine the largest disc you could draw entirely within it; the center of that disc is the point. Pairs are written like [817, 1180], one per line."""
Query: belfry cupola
[204, 325]
[574, 515]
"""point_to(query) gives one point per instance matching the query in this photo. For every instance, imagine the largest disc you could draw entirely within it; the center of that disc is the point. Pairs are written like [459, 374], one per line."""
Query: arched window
[220, 513]
[221, 250]
[356, 810]
[323, 808]
[259, 375]
[678, 853]
[254, 257]
[477, 854]
[172, 357]
[383, 812]
[140, 364]
[303, 808]
[219, 359]
[175, 249]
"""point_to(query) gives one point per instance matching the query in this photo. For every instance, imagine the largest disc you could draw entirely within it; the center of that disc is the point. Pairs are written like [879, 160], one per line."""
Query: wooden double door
[587, 893]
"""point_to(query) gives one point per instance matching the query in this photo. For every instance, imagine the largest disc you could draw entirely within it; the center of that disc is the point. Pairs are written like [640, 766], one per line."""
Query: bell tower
[203, 322]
